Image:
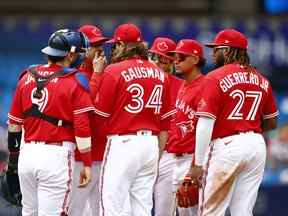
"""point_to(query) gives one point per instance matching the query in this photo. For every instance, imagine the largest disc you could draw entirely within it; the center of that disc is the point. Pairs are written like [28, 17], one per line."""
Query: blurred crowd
[278, 148]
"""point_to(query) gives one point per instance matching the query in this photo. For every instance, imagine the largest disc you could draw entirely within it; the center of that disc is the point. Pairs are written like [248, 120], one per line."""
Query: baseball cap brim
[159, 53]
[211, 45]
[181, 52]
[99, 40]
[111, 41]
[53, 52]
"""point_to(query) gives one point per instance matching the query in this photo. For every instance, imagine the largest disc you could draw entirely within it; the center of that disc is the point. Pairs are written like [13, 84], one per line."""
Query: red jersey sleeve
[81, 101]
[209, 104]
[104, 99]
[15, 114]
[82, 125]
[167, 107]
[87, 68]
[94, 84]
[270, 108]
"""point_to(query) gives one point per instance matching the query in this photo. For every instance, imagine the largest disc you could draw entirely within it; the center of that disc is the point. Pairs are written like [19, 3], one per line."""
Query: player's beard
[219, 60]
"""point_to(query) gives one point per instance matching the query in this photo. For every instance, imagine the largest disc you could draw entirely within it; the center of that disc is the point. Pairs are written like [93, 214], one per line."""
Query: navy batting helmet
[64, 41]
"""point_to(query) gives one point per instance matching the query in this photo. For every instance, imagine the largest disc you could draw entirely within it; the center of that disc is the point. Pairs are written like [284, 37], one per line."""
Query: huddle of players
[189, 98]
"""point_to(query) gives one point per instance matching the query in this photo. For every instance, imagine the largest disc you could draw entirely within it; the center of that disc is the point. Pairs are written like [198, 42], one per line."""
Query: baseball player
[80, 196]
[233, 113]
[52, 104]
[189, 60]
[164, 202]
[134, 99]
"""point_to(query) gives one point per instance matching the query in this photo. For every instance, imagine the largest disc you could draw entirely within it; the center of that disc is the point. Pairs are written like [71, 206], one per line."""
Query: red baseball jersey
[174, 84]
[98, 139]
[87, 68]
[98, 131]
[237, 99]
[134, 95]
[62, 98]
[182, 132]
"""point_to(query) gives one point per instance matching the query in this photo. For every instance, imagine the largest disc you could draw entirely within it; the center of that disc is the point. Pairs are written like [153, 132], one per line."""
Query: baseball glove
[188, 192]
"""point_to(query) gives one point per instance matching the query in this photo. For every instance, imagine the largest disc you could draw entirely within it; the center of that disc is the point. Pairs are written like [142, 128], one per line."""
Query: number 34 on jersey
[137, 103]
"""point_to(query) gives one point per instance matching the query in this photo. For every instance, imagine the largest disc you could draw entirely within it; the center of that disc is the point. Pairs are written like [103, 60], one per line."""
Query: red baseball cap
[189, 47]
[126, 33]
[231, 38]
[163, 46]
[93, 33]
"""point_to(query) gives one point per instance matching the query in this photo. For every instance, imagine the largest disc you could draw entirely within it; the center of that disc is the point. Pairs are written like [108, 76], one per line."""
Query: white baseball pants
[181, 168]
[45, 174]
[234, 170]
[164, 199]
[86, 198]
[129, 169]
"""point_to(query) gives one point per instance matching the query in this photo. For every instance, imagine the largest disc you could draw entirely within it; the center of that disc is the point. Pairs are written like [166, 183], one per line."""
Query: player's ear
[195, 59]
[71, 58]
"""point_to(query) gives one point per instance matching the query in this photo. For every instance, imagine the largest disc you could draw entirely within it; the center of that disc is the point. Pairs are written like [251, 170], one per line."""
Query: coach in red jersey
[160, 54]
[52, 103]
[86, 200]
[95, 61]
[134, 99]
[237, 105]
[189, 60]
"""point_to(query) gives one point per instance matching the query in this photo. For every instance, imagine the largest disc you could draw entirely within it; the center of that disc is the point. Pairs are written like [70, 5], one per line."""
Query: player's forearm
[14, 137]
[204, 131]
[94, 84]
[269, 124]
[83, 137]
[162, 138]
[84, 147]
[14, 140]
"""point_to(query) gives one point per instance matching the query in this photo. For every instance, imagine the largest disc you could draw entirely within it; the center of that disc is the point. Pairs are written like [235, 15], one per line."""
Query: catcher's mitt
[188, 193]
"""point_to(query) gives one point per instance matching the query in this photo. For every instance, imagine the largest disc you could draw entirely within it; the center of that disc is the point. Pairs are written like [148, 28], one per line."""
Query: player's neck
[62, 63]
[192, 75]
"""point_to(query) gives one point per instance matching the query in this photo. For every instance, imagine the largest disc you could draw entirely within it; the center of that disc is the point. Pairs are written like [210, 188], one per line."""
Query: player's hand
[85, 177]
[99, 62]
[196, 175]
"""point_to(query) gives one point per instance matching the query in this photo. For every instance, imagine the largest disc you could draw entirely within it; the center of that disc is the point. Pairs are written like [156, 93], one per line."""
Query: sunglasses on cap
[158, 58]
[216, 48]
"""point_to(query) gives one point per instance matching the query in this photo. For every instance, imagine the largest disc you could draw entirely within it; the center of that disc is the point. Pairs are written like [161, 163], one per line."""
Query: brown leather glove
[188, 193]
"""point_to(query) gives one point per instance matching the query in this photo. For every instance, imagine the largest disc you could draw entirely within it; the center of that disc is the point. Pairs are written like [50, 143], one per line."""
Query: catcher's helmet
[10, 188]
[64, 41]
